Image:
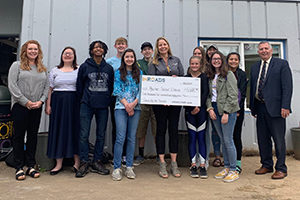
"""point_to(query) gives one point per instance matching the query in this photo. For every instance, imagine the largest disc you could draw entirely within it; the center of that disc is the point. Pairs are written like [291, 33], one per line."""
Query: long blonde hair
[38, 61]
[156, 52]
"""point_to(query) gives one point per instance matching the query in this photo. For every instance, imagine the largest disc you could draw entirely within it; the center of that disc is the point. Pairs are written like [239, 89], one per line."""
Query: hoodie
[95, 83]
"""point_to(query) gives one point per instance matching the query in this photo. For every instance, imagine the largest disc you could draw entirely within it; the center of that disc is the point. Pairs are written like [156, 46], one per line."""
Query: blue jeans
[225, 132]
[86, 116]
[129, 124]
[215, 139]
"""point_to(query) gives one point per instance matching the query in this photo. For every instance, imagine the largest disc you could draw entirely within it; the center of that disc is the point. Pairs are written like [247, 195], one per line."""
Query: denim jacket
[227, 94]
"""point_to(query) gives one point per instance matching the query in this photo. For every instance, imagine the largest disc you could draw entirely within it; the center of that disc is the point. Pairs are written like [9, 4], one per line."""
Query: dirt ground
[148, 185]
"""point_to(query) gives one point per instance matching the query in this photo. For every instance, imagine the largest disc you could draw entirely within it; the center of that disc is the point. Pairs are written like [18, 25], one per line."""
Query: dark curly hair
[102, 44]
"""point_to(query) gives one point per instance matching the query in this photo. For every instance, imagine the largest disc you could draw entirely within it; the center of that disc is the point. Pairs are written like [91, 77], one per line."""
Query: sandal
[174, 170]
[20, 175]
[32, 172]
[74, 169]
[217, 162]
[163, 170]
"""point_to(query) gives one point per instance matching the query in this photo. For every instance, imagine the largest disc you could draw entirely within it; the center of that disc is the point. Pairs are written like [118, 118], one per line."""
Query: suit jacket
[277, 89]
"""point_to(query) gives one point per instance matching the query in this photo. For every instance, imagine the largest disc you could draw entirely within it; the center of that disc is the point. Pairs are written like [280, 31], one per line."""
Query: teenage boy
[94, 87]
[115, 61]
[147, 113]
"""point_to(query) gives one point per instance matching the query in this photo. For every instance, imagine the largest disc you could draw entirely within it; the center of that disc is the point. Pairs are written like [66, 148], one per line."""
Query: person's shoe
[117, 174]
[194, 172]
[203, 173]
[279, 175]
[222, 173]
[239, 169]
[99, 167]
[163, 170]
[129, 173]
[112, 163]
[174, 170]
[231, 176]
[139, 160]
[83, 170]
[263, 170]
[56, 172]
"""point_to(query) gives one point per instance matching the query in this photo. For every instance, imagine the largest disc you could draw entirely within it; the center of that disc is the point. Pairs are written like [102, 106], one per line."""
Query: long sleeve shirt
[130, 90]
[27, 85]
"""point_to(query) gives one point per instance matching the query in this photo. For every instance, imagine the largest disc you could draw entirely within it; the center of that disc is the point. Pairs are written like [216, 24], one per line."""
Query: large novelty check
[167, 90]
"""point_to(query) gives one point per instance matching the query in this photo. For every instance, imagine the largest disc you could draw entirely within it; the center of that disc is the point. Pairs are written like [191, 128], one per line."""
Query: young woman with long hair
[222, 105]
[196, 118]
[63, 107]
[27, 83]
[165, 64]
[233, 60]
[127, 112]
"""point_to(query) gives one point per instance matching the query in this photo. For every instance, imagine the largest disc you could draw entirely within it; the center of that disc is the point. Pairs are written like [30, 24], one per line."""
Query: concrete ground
[148, 185]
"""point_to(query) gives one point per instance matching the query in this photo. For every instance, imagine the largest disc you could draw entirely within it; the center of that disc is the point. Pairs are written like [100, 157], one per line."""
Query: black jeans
[237, 134]
[166, 116]
[25, 120]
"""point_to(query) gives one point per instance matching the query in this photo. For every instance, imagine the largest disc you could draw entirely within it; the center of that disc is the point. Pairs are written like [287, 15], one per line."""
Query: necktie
[261, 82]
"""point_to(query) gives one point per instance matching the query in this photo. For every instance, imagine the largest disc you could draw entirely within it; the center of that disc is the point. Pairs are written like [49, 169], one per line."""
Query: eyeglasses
[68, 54]
[215, 59]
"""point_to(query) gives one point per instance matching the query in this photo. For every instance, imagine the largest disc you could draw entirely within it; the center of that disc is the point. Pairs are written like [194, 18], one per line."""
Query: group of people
[74, 94]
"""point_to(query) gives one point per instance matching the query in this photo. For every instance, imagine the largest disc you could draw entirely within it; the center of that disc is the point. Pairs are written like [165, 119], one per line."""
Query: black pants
[113, 123]
[237, 134]
[270, 127]
[25, 120]
[166, 116]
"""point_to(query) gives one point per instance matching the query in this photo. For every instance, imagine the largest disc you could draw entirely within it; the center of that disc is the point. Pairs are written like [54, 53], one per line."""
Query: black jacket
[204, 92]
[242, 86]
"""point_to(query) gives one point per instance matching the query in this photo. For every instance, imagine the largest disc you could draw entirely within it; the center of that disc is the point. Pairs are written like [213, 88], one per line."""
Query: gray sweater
[26, 85]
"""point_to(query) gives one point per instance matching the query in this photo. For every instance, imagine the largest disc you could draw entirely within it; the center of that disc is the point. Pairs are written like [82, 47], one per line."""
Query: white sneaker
[129, 173]
[117, 174]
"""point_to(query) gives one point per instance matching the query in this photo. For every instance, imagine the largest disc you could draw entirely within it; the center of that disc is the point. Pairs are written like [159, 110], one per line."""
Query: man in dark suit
[270, 102]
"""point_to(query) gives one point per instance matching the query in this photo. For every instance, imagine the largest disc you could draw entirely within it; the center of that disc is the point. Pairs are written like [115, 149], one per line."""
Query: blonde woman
[27, 83]
[165, 64]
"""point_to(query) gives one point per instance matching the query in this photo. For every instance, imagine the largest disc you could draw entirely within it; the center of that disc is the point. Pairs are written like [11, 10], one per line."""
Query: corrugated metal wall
[57, 24]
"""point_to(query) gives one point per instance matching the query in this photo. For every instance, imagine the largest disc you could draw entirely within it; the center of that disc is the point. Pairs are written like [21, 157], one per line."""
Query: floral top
[130, 90]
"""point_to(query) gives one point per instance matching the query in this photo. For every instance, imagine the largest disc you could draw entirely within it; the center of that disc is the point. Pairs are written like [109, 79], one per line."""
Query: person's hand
[128, 109]
[48, 109]
[224, 119]
[212, 114]
[37, 105]
[131, 105]
[285, 113]
[237, 114]
[29, 105]
[131, 113]
[195, 110]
